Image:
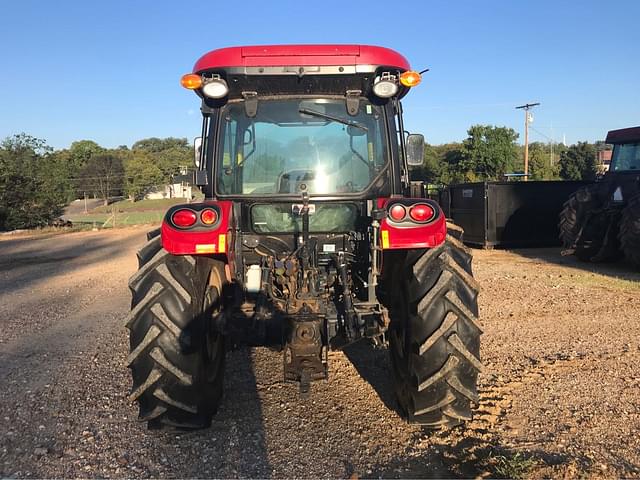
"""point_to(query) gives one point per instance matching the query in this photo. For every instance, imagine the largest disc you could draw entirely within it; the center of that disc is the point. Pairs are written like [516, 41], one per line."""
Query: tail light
[421, 213]
[397, 212]
[209, 216]
[407, 213]
[184, 218]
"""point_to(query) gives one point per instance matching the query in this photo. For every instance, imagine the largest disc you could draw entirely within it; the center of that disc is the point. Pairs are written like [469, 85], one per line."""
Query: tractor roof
[362, 56]
[624, 135]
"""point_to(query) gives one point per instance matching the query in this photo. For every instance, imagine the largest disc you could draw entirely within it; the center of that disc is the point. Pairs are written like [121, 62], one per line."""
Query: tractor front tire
[177, 361]
[630, 231]
[573, 219]
[435, 334]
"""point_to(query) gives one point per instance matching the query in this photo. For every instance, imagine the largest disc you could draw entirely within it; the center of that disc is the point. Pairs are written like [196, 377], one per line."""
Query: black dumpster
[515, 214]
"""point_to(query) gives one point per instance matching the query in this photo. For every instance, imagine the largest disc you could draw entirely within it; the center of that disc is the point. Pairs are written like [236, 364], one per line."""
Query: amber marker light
[410, 78]
[191, 81]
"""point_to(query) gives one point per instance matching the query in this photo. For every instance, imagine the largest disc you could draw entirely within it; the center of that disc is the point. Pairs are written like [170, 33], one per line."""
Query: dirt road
[560, 395]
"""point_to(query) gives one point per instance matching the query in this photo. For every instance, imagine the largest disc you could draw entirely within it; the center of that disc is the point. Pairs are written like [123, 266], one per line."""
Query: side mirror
[197, 151]
[415, 149]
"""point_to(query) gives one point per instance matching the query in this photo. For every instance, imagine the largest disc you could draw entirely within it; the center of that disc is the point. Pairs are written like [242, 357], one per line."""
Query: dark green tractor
[601, 222]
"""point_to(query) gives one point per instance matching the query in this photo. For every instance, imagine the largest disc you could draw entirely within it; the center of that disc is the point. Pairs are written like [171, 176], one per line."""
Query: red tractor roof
[300, 55]
[624, 135]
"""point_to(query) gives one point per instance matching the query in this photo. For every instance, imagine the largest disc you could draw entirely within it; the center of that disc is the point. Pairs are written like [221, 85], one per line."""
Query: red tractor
[308, 240]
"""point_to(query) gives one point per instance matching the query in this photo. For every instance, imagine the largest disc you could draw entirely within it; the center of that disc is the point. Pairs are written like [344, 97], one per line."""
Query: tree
[155, 145]
[540, 162]
[451, 156]
[578, 162]
[169, 154]
[31, 192]
[103, 175]
[440, 163]
[141, 173]
[81, 151]
[488, 152]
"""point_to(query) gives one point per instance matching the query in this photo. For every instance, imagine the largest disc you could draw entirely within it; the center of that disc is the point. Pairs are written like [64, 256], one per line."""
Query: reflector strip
[385, 238]
[222, 243]
[206, 248]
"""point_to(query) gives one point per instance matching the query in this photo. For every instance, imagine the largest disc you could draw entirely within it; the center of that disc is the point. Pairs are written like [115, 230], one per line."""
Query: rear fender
[407, 234]
[199, 239]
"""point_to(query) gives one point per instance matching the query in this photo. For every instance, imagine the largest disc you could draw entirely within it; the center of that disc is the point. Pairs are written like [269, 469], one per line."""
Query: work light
[385, 85]
[215, 87]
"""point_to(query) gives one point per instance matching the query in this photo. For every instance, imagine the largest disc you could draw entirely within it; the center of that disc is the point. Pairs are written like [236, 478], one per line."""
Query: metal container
[515, 214]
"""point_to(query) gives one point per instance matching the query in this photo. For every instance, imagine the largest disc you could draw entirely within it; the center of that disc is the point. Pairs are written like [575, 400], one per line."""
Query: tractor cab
[283, 121]
[624, 172]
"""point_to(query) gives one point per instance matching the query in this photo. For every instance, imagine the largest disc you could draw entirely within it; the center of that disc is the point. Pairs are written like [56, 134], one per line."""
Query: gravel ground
[559, 397]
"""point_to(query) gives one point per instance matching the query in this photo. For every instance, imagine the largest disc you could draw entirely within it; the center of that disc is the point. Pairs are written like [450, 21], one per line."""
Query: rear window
[323, 218]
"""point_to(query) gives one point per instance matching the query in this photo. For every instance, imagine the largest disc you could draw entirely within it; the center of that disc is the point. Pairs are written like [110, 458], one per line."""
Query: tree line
[36, 181]
[490, 152]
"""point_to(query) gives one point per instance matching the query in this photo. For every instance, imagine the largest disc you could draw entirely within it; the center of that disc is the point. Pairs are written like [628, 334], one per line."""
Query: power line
[542, 134]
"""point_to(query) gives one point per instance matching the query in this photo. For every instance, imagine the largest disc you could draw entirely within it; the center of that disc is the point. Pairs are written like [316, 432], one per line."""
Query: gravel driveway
[560, 395]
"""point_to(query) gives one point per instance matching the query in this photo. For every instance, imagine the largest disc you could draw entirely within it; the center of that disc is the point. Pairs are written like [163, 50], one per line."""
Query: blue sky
[109, 71]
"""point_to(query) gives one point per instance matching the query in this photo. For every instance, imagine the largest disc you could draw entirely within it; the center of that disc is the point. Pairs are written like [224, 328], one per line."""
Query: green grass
[606, 281]
[627, 282]
[105, 220]
[514, 466]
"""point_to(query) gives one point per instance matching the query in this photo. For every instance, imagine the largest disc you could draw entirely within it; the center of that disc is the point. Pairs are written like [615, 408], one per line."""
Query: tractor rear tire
[177, 361]
[435, 334]
[630, 231]
[573, 218]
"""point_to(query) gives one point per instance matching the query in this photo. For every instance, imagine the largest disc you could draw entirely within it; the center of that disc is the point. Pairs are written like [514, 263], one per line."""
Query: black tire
[630, 231]
[176, 360]
[573, 217]
[435, 334]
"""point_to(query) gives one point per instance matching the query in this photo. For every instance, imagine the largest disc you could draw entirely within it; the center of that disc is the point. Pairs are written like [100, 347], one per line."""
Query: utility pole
[527, 120]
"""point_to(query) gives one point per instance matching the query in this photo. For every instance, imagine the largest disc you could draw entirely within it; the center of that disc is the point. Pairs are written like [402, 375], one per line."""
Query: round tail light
[421, 212]
[209, 216]
[184, 218]
[397, 212]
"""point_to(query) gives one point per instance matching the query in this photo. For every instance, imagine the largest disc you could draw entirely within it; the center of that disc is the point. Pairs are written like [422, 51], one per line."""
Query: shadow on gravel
[233, 447]
[621, 269]
[374, 366]
[40, 262]
[244, 452]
